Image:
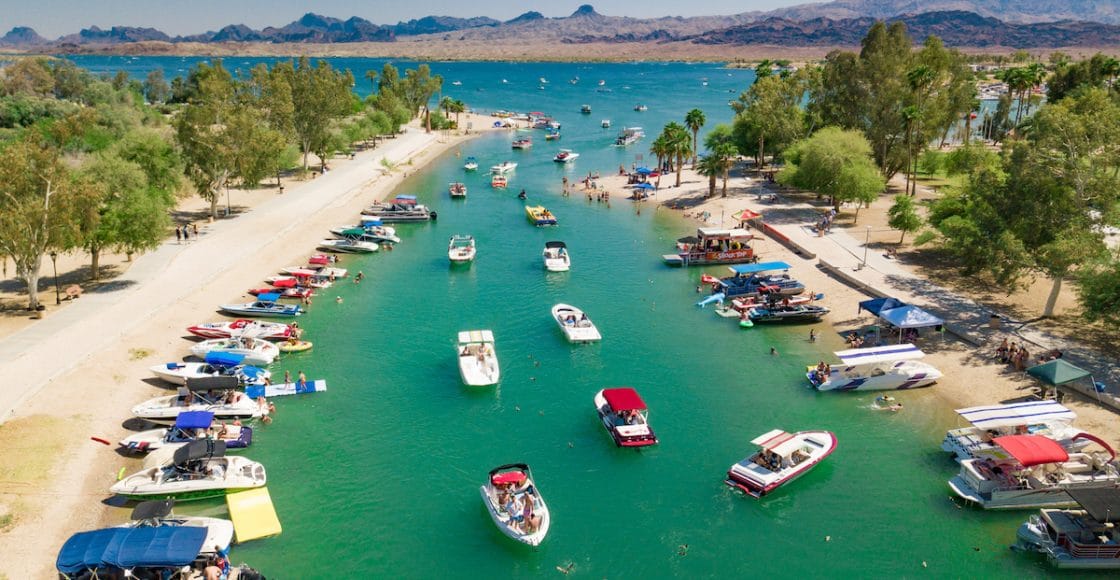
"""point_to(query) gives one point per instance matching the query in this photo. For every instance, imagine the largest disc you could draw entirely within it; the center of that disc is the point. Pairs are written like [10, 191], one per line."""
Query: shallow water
[380, 475]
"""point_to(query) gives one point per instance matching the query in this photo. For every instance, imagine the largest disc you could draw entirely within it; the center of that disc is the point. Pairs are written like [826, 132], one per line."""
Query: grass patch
[139, 353]
[31, 446]
[6, 522]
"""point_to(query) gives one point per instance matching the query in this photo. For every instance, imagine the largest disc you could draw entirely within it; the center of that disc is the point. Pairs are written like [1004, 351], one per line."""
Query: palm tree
[679, 144]
[1111, 68]
[660, 149]
[372, 76]
[457, 107]
[694, 119]
[725, 154]
[911, 114]
[710, 167]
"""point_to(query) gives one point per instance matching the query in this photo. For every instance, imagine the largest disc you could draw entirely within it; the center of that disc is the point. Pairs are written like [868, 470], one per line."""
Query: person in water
[521, 195]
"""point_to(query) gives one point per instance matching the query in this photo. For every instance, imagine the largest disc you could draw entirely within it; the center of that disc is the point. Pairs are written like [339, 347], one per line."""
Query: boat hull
[505, 523]
[239, 474]
[763, 485]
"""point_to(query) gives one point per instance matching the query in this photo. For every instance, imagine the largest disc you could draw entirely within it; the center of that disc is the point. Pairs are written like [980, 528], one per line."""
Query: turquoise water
[379, 476]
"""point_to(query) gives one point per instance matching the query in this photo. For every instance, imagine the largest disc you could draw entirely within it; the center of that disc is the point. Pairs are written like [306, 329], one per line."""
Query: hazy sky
[53, 18]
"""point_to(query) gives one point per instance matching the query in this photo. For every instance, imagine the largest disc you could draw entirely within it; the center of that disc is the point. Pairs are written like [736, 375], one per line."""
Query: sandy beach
[80, 382]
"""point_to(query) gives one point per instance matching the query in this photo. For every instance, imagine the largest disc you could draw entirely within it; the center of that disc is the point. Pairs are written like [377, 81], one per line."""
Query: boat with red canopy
[1034, 472]
[625, 416]
[781, 458]
[515, 504]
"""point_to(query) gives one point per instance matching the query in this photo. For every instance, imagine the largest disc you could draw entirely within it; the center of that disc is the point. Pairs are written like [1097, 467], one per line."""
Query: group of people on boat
[626, 417]
[571, 320]
[519, 505]
[769, 460]
[822, 372]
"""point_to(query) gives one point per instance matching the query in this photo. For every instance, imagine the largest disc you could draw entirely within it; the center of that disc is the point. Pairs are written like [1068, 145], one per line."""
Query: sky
[53, 18]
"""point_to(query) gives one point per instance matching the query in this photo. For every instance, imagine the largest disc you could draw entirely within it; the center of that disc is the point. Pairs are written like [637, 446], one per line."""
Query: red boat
[268, 330]
[625, 416]
[320, 260]
[781, 458]
[293, 292]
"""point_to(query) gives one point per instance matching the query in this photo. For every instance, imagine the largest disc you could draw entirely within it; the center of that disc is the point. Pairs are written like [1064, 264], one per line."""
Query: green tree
[417, 89]
[1100, 291]
[834, 162]
[678, 142]
[694, 120]
[156, 89]
[770, 113]
[969, 158]
[711, 167]
[202, 133]
[320, 95]
[722, 151]
[903, 216]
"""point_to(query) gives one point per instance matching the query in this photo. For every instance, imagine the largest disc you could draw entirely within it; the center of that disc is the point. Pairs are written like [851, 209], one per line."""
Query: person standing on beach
[178, 235]
[194, 230]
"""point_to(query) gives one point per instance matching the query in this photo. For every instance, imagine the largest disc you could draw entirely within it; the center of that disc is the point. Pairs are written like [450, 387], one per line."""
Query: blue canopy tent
[124, 548]
[909, 317]
[877, 305]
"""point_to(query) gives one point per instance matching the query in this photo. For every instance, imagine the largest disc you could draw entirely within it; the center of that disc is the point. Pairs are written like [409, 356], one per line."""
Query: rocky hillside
[1018, 11]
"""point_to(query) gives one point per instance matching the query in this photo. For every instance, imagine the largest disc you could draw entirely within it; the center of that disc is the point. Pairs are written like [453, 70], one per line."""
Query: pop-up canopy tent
[877, 305]
[910, 317]
[1059, 372]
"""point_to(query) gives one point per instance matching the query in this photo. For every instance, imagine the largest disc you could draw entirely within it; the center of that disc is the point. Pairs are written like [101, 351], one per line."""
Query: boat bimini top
[879, 354]
[1013, 415]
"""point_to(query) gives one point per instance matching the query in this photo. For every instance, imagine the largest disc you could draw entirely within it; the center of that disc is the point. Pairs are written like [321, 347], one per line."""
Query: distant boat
[641, 108]
[565, 156]
[574, 80]
[586, 109]
[601, 83]
[504, 81]
[478, 363]
[606, 123]
[471, 164]
[543, 80]
[457, 83]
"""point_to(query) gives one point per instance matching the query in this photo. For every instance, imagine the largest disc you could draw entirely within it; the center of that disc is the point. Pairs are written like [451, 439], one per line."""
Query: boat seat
[1076, 467]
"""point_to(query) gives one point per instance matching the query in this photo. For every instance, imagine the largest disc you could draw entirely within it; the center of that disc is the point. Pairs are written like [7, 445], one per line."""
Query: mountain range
[965, 23]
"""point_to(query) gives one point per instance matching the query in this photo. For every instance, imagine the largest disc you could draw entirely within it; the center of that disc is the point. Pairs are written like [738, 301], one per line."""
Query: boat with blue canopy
[129, 549]
[753, 279]
[265, 305]
[218, 363]
[189, 426]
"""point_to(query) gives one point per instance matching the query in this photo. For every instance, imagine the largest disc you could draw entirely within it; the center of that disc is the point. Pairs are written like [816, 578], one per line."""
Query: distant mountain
[1016, 11]
[954, 28]
[22, 36]
[526, 17]
[115, 35]
[434, 24]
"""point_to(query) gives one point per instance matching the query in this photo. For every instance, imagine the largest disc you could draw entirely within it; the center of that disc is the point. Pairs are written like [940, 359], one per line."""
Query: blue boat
[753, 280]
[265, 305]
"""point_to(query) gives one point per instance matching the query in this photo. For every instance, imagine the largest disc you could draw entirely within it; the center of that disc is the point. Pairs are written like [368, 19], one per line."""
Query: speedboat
[625, 416]
[295, 292]
[255, 350]
[189, 426]
[217, 364]
[457, 189]
[314, 280]
[875, 369]
[1036, 473]
[605, 123]
[461, 249]
[215, 394]
[471, 164]
[552, 135]
[157, 514]
[478, 362]
[641, 108]
[540, 216]
[395, 212]
[585, 109]
[265, 305]
[556, 257]
[1081, 539]
[498, 181]
[575, 324]
[351, 244]
[778, 312]
[515, 504]
[565, 156]
[522, 143]
[376, 232]
[505, 167]
[259, 329]
[753, 280]
[198, 470]
[1046, 418]
[781, 458]
[372, 234]
[143, 551]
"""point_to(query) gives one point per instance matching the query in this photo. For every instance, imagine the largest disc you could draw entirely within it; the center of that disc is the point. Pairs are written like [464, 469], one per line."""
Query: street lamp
[54, 264]
[866, 242]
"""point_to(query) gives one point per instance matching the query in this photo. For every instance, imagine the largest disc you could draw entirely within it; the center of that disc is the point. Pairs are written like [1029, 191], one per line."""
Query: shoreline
[91, 395]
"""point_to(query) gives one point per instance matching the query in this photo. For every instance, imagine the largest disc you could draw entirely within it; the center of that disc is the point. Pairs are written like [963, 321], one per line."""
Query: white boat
[157, 514]
[575, 324]
[1081, 539]
[1036, 474]
[349, 245]
[515, 504]
[199, 470]
[217, 395]
[217, 364]
[471, 164]
[628, 136]
[1046, 418]
[556, 257]
[265, 305]
[457, 190]
[189, 426]
[565, 156]
[256, 351]
[478, 362]
[375, 234]
[461, 249]
[324, 273]
[254, 328]
[505, 167]
[875, 369]
[625, 416]
[781, 458]
[585, 109]
[605, 123]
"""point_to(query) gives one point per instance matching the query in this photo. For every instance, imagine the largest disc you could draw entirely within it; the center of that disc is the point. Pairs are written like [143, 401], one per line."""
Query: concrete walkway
[159, 280]
[847, 257]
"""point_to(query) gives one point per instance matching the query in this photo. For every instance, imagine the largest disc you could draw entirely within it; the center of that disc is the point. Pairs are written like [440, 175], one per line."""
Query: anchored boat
[576, 325]
[514, 503]
[540, 216]
[556, 257]
[781, 458]
[257, 328]
[874, 369]
[1081, 539]
[265, 305]
[256, 351]
[189, 426]
[198, 470]
[1046, 418]
[219, 395]
[478, 362]
[457, 190]
[217, 364]
[461, 249]
[712, 246]
[625, 416]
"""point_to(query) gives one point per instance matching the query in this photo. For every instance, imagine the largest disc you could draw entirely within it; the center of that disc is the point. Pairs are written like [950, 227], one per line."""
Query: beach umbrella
[644, 186]
[643, 171]
[746, 215]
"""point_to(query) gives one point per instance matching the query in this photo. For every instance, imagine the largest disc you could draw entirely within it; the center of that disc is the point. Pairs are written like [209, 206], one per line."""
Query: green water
[380, 475]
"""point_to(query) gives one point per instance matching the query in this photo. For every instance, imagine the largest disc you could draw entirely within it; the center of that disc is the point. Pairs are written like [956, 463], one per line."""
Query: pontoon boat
[1046, 418]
